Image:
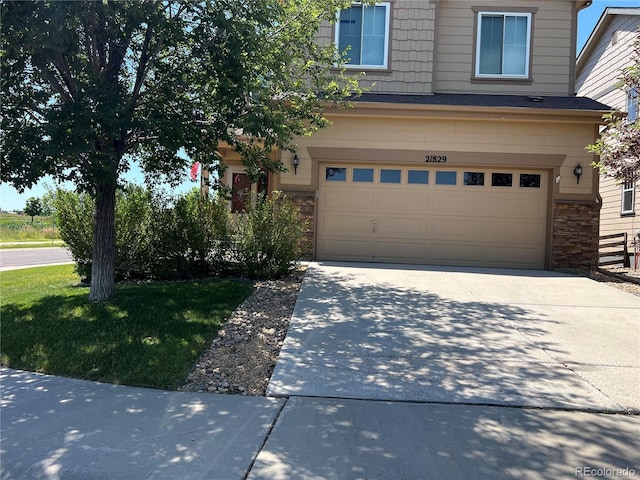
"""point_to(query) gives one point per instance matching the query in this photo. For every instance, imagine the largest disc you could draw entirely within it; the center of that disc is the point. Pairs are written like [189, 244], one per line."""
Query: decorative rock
[243, 355]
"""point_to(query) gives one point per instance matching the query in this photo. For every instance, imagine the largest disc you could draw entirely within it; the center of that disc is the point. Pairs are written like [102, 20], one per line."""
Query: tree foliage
[88, 87]
[33, 207]
[619, 144]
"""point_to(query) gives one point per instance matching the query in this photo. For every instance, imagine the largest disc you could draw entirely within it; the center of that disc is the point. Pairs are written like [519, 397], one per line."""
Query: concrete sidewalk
[462, 335]
[61, 428]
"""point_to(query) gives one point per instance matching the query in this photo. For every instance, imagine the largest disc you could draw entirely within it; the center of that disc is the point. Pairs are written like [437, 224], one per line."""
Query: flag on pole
[194, 171]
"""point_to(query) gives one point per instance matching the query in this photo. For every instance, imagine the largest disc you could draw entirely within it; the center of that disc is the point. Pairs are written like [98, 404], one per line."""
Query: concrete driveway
[462, 335]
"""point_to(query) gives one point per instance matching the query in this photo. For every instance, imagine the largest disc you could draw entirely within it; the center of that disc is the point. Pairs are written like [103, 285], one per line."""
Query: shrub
[134, 222]
[192, 236]
[75, 218]
[268, 236]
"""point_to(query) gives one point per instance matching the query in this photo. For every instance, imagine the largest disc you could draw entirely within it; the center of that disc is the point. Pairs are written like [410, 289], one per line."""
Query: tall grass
[19, 228]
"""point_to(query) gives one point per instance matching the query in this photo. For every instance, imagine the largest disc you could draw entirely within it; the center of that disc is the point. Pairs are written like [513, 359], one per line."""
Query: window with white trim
[503, 45]
[628, 198]
[632, 105]
[362, 33]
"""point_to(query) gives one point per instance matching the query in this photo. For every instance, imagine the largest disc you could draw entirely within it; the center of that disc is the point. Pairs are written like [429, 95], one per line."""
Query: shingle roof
[478, 100]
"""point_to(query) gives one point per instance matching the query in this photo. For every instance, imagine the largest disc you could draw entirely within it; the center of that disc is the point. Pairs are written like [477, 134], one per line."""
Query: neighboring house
[464, 150]
[606, 52]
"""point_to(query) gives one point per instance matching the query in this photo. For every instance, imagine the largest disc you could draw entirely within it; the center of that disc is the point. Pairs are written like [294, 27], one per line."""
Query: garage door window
[446, 178]
[390, 176]
[501, 179]
[363, 175]
[528, 180]
[474, 178]
[418, 177]
[336, 174]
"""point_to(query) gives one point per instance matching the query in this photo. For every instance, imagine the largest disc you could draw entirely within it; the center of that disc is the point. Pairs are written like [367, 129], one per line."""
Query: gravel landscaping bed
[623, 280]
[242, 358]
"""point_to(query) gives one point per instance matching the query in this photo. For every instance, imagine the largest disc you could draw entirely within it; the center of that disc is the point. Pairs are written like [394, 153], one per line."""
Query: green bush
[268, 236]
[159, 237]
[134, 221]
[75, 219]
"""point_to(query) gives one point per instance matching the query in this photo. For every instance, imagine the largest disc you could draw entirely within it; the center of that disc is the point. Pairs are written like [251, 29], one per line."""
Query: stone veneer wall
[575, 235]
[306, 202]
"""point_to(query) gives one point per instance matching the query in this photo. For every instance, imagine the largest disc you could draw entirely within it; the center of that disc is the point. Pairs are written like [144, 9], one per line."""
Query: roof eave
[359, 107]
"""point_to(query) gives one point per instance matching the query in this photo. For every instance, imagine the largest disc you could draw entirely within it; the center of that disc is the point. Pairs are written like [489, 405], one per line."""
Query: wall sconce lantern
[578, 172]
[295, 161]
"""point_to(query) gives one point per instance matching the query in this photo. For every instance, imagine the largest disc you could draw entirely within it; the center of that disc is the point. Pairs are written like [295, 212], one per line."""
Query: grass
[151, 335]
[40, 244]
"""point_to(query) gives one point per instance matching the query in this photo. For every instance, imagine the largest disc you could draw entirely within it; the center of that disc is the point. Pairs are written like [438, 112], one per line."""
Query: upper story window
[363, 32]
[503, 45]
[632, 105]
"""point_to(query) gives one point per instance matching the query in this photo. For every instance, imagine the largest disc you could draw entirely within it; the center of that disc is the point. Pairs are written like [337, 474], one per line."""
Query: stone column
[575, 235]
[306, 202]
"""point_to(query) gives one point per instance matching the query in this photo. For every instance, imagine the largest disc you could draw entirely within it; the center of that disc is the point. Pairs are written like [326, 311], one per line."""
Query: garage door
[444, 216]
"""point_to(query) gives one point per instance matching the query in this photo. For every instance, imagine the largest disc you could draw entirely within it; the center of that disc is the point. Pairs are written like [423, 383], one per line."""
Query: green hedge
[190, 236]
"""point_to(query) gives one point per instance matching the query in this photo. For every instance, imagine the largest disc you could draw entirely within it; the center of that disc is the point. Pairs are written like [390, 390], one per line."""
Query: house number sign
[435, 159]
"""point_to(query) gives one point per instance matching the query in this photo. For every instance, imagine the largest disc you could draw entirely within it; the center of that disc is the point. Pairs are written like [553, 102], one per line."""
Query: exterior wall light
[295, 161]
[578, 172]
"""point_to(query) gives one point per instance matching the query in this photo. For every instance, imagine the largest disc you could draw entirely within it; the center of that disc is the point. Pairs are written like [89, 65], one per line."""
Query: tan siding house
[464, 149]
[607, 51]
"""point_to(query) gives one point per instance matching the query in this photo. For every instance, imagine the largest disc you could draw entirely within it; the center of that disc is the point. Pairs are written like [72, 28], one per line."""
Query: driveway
[462, 335]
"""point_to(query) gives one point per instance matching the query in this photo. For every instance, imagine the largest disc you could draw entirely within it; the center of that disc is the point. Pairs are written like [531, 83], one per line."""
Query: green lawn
[150, 335]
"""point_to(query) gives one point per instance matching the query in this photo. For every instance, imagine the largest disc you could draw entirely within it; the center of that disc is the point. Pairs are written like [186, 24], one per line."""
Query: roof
[480, 100]
[603, 22]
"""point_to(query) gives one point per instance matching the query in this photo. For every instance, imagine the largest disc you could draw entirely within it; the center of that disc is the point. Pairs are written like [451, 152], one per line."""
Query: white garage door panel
[519, 232]
[513, 256]
[458, 224]
[402, 227]
[402, 253]
[457, 228]
[339, 224]
[460, 203]
[526, 206]
[346, 250]
[458, 254]
[401, 200]
[357, 199]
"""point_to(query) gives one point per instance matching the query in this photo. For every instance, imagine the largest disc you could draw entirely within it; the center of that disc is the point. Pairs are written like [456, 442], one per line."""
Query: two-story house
[599, 65]
[469, 147]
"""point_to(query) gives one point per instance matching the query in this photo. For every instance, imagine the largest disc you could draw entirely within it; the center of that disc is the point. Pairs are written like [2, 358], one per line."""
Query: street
[12, 259]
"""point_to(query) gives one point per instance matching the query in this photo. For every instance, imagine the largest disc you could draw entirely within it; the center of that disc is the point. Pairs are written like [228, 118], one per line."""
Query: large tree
[618, 147]
[88, 87]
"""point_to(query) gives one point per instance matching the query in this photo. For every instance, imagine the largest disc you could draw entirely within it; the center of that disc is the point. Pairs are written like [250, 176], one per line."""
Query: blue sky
[10, 199]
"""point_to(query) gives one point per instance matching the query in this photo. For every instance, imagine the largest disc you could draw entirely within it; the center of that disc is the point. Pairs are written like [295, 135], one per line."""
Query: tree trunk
[103, 266]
